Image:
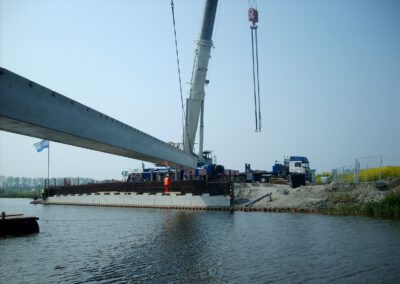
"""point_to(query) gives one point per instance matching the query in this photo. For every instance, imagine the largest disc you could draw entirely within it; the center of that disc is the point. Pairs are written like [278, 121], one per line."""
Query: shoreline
[330, 199]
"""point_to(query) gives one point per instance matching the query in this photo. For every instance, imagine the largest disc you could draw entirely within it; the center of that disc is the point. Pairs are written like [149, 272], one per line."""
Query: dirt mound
[310, 196]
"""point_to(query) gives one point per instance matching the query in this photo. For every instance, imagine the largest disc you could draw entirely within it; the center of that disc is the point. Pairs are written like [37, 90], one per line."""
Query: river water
[124, 245]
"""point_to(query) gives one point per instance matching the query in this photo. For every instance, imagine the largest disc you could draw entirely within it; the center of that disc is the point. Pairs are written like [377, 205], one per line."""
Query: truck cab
[299, 165]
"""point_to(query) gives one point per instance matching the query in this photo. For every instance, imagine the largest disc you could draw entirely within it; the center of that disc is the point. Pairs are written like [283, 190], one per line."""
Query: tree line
[27, 183]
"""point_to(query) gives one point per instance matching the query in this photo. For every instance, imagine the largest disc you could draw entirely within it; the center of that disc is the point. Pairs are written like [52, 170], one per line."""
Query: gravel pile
[306, 197]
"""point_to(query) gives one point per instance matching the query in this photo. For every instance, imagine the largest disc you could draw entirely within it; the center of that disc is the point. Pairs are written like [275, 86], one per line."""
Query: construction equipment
[295, 170]
[253, 18]
[195, 102]
[194, 113]
[194, 107]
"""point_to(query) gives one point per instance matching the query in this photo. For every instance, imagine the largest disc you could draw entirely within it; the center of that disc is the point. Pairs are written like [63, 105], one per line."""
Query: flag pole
[48, 166]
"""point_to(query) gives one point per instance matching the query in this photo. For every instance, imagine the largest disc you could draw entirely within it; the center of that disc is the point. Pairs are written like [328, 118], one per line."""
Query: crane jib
[208, 20]
[196, 94]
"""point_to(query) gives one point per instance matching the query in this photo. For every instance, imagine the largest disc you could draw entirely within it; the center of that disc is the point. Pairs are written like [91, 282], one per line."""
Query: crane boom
[196, 93]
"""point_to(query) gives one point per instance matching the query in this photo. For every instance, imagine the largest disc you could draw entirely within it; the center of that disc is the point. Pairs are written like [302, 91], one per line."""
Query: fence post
[357, 171]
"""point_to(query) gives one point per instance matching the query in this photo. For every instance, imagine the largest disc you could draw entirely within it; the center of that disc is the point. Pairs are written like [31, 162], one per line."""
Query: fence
[345, 174]
[368, 169]
[364, 169]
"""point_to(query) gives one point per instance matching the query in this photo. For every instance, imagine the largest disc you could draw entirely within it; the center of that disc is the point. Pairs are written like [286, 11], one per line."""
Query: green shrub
[388, 207]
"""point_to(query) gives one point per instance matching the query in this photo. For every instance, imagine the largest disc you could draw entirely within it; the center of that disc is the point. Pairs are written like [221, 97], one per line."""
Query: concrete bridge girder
[30, 109]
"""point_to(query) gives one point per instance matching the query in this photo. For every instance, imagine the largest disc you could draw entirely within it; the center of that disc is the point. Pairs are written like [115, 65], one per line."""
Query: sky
[329, 78]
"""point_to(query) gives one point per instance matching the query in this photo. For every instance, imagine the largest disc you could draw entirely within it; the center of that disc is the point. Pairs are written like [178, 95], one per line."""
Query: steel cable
[178, 63]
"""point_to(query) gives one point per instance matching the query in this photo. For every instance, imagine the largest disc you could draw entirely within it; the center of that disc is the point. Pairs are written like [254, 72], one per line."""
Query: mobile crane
[195, 102]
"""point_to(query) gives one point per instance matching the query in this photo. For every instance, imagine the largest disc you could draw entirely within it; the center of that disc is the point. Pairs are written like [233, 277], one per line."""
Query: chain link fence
[368, 169]
[344, 174]
[364, 169]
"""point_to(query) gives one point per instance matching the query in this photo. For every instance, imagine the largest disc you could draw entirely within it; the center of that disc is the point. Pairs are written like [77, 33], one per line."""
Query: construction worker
[167, 183]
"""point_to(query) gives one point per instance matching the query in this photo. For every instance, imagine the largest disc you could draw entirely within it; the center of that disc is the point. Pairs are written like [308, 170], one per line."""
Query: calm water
[118, 245]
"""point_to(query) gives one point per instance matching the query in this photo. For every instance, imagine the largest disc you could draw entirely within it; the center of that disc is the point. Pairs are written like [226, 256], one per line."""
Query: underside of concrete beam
[30, 109]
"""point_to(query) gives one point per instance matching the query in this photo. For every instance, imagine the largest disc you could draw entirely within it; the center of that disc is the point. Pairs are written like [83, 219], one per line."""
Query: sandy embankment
[306, 197]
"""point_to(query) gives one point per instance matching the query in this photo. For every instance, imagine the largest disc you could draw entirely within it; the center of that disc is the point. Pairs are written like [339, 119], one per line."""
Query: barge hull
[18, 226]
[145, 200]
[185, 194]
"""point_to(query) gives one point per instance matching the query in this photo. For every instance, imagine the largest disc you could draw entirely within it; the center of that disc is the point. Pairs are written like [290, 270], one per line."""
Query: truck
[294, 170]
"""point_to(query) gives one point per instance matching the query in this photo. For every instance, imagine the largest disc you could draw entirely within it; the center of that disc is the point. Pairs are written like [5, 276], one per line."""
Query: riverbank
[341, 199]
[380, 200]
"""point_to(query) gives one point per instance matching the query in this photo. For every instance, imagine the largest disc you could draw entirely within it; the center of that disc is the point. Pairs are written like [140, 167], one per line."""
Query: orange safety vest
[167, 181]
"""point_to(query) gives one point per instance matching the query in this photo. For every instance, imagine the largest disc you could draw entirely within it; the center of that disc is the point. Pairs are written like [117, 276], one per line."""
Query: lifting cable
[253, 18]
[177, 63]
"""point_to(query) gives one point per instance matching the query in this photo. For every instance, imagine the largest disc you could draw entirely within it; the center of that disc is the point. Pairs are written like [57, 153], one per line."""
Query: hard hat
[167, 175]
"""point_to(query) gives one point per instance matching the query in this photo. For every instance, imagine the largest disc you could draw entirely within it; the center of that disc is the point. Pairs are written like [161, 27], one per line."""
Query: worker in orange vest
[167, 183]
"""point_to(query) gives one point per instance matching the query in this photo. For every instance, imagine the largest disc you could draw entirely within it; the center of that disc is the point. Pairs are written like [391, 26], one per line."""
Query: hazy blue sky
[330, 78]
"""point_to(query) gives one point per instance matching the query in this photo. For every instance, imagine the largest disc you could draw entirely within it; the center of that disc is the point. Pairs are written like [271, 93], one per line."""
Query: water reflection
[178, 250]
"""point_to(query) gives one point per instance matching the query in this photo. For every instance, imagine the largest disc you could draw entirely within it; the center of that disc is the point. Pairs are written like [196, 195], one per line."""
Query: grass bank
[389, 207]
